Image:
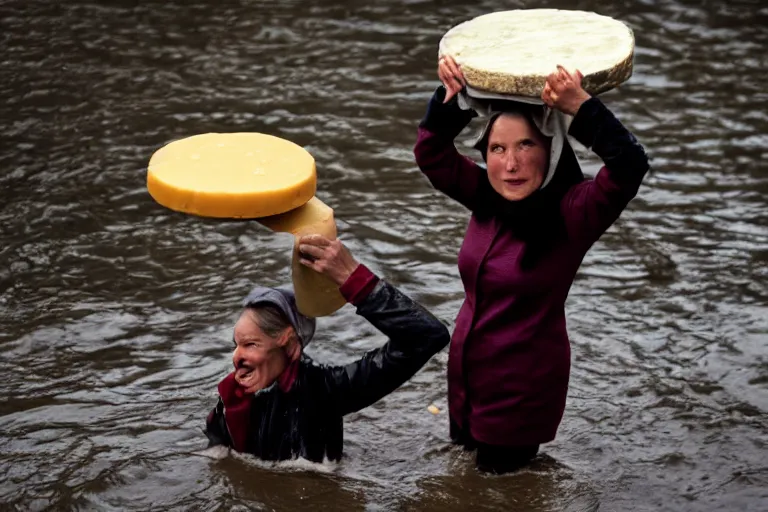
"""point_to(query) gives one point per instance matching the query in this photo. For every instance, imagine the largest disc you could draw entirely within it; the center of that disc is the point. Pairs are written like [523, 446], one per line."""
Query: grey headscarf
[552, 123]
[285, 301]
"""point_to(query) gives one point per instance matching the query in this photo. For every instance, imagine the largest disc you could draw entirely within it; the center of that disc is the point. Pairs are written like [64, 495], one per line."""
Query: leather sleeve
[216, 427]
[415, 335]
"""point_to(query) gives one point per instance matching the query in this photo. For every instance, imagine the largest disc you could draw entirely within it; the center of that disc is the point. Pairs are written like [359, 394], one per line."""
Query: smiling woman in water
[278, 404]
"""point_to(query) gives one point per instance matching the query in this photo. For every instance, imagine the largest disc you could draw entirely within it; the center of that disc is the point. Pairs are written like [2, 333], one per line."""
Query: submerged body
[300, 414]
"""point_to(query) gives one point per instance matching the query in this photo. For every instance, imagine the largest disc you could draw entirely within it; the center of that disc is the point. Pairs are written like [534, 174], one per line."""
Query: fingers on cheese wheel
[232, 175]
[512, 52]
[316, 294]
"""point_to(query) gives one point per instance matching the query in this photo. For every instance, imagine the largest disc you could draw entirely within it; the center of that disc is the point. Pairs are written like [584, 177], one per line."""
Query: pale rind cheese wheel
[512, 52]
[316, 294]
[232, 175]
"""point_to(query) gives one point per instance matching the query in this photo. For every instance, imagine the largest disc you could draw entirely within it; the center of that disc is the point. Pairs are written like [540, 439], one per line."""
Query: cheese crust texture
[512, 52]
[232, 175]
[316, 294]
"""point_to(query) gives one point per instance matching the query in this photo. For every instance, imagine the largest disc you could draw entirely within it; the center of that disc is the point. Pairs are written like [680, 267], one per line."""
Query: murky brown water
[116, 313]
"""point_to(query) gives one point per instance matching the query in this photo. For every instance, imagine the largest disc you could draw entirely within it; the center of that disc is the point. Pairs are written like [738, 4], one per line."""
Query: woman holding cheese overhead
[277, 403]
[531, 225]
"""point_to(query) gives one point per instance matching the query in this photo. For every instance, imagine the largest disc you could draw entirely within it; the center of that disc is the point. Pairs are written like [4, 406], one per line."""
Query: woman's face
[517, 157]
[259, 359]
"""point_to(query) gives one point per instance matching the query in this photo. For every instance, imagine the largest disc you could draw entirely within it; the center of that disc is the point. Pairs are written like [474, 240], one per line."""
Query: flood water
[116, 314]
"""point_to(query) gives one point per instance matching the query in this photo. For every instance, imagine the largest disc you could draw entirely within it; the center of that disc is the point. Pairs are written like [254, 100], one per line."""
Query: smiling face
[259, 357]
[517, 157]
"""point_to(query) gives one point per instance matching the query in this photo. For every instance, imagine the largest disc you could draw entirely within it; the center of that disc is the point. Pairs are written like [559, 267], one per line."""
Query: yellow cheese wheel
[316, 294]
[232, 175]
[251, 176]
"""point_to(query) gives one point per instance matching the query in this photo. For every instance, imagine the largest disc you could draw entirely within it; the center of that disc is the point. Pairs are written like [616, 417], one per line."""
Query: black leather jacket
[306, 421]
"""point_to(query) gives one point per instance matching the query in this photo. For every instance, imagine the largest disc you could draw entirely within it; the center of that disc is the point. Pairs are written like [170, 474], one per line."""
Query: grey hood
[285, 300]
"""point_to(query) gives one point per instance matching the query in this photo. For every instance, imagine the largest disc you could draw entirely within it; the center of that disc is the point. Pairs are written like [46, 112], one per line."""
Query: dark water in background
[116, 313]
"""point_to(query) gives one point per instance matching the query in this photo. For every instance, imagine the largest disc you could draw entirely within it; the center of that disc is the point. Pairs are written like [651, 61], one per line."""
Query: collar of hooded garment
[238, 404]
[535, 219]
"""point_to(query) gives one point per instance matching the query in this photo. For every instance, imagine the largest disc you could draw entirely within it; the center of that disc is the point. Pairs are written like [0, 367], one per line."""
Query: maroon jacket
[509, 359]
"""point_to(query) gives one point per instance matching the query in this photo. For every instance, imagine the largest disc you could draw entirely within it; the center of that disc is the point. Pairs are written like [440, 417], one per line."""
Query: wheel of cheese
[512, 52]
[251, 176]
[232, 175]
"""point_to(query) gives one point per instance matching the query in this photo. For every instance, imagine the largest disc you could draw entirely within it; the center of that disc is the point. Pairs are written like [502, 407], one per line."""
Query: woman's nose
[511, 163]
[236, 356]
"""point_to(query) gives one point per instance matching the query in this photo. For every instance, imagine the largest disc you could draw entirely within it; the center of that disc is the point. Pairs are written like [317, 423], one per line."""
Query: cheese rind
[316, 294]
[232, 175]
[513, 52]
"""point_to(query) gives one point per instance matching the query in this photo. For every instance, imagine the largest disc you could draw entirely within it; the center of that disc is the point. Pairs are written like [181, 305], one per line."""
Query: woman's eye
[497, 149]
[527, 143]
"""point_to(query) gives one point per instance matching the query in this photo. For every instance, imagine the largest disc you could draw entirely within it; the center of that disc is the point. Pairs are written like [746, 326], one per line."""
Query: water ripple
[117, 314]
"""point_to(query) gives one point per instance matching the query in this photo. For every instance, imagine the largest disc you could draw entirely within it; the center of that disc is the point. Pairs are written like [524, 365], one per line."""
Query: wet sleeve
[414, 336]
[592, 206]
[436, 155]
[216, 427]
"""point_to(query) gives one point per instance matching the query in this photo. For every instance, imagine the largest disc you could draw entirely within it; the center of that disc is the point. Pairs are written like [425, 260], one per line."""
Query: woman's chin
[514, 193]
[517, 193]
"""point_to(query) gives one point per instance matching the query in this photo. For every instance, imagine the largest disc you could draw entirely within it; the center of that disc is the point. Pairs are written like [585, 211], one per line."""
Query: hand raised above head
[451, 76]
[563, 91]
[328, 257]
